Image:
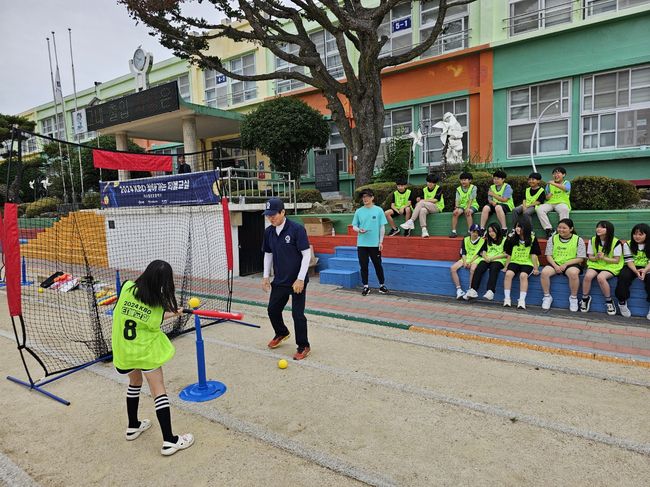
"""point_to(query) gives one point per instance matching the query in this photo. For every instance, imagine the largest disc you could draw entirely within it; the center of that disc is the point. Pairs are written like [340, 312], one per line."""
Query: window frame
[222, 85]
[389, 49]
[542, 14]
[588, 5]
[449, 19]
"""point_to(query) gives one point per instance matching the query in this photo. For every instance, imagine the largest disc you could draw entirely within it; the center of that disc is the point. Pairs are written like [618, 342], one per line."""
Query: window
[456, 31]
[184, 87]
[529, 15]
[397, 26]
[525, 105]
[329, 52]
[595, 7]
[616, 109]
[29, 145]
[47, 127]
[221, 91]
[397, 123]
[282, 85]
[431, 114]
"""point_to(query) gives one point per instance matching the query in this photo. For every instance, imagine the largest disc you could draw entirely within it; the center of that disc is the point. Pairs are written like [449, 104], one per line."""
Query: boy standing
[368, 222]
[465, 202]
[532, 199]
[432, 201]
[557, 198]
[499, 201]
[400, 204]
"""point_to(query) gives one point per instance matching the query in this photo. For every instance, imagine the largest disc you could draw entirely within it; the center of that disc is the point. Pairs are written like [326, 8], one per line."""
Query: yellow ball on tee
[194, 302]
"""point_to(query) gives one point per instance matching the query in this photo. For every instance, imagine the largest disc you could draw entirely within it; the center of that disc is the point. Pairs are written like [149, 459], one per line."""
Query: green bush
[91, 199]
[308, 196]
[44, 205]
[382, 192]
[396, 160]
[602, 193]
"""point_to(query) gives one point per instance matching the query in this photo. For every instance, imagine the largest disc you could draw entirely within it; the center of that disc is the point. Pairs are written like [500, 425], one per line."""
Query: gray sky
[103, 40]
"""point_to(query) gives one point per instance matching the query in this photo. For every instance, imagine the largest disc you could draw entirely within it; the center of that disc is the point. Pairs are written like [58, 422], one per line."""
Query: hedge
[308, 195]
[48, 204]
[602, 193]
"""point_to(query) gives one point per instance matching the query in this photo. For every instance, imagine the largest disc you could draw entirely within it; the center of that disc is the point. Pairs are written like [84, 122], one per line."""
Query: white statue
[46, 184]
[31, 183]
[417, 138]
[451, 130]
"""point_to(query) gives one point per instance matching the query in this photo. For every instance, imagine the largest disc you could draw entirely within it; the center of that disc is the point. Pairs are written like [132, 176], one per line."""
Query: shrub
[91, 200]
[382, 192]
[602, 193]
[308, 196]
[47, 204]
[396, 160]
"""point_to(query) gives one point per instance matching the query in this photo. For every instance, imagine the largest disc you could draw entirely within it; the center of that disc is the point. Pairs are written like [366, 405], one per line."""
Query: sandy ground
[371, 405]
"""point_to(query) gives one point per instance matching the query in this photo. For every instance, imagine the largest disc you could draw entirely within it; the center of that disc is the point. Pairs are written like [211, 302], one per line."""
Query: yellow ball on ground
[194, 302]
[40, 289]
[282, 363]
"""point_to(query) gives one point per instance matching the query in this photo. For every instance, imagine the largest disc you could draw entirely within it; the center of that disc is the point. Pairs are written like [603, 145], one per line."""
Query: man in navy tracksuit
[286, 247]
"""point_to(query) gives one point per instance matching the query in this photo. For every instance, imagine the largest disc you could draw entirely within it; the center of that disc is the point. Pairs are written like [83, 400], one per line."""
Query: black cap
[273, 206]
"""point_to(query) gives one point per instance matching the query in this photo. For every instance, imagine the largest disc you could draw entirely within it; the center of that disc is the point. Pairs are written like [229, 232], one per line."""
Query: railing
[538, 19]
[252, 183]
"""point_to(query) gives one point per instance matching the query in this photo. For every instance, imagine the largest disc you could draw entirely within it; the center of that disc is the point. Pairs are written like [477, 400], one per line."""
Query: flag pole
[76, 108]
[56, 120]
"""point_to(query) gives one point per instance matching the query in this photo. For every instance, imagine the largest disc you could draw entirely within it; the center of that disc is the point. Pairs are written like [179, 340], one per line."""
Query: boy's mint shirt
[370, 219]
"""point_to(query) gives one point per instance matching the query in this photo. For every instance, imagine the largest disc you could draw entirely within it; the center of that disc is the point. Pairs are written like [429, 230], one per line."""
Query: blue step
[346, 252]
[345, 278]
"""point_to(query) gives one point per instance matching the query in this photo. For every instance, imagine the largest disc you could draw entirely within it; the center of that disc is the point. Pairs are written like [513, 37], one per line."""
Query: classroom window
[432, 113]
[48, 127]
[525, 105]
[397, 27]
[616, 109]
[221, 91]
[530, 15]
[283, 85]
[595, 7]
[456, 27]
[329, 52]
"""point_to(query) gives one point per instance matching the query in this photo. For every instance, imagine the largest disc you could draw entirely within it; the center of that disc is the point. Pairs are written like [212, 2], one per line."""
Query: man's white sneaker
[408, 225]
[470, 294]
[521, 304]
[425, 233]
[573, 304]
[507, 302]
[459, 293]
[546, 302]
[489, 295]
[625, 311]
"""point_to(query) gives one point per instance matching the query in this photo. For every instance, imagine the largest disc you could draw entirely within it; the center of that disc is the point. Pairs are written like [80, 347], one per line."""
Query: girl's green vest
[521, 254]
[601, 265]
[564, 251]
[641, 258]
[472, 249]
[495, 249]
[429, 195]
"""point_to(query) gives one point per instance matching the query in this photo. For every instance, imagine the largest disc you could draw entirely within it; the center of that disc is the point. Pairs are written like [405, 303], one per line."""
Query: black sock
[164, 415]
[132, 402]
[608, 300]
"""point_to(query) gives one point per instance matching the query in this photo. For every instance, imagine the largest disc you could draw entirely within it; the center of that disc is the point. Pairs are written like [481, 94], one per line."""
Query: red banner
[11, 250]
[131, 162]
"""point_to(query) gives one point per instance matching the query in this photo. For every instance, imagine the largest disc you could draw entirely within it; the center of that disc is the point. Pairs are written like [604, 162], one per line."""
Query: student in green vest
[401, 203]
[493, 257]
[432, 201]
[557, 198]
[523, 253]
[604, 261]
[465, 202]
[565, 253]
[637, 267]
[534, 196]
[140, 347]
[470, 254]
[500, 201]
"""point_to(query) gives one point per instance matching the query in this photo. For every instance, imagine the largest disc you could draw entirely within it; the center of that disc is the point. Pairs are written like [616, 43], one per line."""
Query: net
[73, 260]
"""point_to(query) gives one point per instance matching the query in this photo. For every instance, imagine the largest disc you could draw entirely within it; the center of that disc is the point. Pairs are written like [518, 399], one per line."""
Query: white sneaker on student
[573, 304]
[546, 302]
[459, 293]
[507, 302]
[425, 233]
[625, 311]
[408, 225]
[489, 295]
[648, 315]
[470, 294]
[611, 308]
[521, 304]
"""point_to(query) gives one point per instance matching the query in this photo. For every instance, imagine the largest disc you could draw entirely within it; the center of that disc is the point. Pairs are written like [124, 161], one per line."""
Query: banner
[11, 250]
[199, 188]
[127, 161]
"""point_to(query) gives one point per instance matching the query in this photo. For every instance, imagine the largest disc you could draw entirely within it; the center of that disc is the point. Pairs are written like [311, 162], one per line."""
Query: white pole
[56, 120]
[76, 108]
[532, 138]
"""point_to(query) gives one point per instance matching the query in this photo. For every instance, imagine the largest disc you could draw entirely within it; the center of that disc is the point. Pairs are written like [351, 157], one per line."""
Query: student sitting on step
[500, 201]
[493, 257]
[401, 203]
[470, 251]
[565, 253]
[534, 196]
[432, 201]
[523, 259]
[557, 198]
[637, 267]
[465, 203]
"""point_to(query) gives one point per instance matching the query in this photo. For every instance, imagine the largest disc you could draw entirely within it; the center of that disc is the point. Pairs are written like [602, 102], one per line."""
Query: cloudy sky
[103, 40]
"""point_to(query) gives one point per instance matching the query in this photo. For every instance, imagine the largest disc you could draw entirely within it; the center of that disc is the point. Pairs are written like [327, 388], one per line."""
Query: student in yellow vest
[493, 257]
[523, 259]
[401, 203]
[500, 201]
[604, 261]
[465, 203]
[557, 198]
[534, 196]
[637, 267]
[565, 253]
[470, 254]
[139, 346]
[432, 201]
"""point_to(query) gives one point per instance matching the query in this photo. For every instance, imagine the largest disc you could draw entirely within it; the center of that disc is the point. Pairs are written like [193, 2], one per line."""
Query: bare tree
[274, 24]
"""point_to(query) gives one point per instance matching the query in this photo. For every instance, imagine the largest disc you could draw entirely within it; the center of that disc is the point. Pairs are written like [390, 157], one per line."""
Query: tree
[7, 122]
[276, 24]
[285, 129]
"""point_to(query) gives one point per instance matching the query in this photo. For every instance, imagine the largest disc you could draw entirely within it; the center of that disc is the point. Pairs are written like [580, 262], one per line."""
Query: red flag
[131, 162]
[11, 249]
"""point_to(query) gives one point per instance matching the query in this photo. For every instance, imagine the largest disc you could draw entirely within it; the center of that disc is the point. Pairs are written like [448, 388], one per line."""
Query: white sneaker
[648, 315]
[183, 442]
[546, 302]
[611, 308]
[507, 302]
[459, 293]
[573, 304]
[470, 294]
[489, 295]
[625, 311]
[521, 304]
[425, 233]
[408, 225]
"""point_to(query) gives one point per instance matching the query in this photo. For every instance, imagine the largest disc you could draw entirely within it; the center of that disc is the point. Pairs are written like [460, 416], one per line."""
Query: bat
[214, 314]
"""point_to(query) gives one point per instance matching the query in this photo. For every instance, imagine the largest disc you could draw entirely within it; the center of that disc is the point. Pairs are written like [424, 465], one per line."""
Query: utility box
[318, 226]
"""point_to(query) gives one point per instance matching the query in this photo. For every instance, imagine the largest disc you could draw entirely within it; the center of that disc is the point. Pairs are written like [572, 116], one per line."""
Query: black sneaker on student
[383, 289]
[549, 232]
[407, 233]
[504, 232]
[585, 304]
[365, 291]
[394, 231]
